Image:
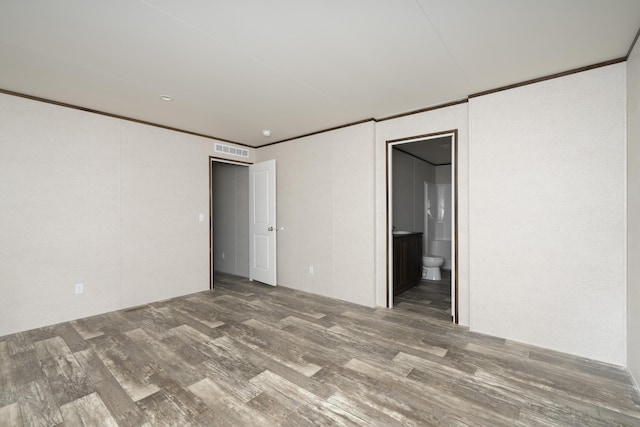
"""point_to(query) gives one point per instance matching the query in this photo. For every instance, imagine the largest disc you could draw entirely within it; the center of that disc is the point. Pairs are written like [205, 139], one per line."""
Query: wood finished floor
[249, 354]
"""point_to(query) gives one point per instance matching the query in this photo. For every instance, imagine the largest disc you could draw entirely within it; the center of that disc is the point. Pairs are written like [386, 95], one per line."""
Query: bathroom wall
[409, 176]
[443, 201]
[231, 219]
[96, 200]
[547, 214]
[443, 174]
[422, 171]
[403, 191]
[325, 202]
[633, 212]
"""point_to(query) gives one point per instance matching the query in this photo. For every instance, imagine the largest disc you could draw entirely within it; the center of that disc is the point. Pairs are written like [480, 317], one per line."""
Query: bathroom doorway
[421, 207]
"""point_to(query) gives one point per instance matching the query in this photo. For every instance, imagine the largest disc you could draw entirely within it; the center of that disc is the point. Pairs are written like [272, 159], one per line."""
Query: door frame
[389, 180]
[212, 160]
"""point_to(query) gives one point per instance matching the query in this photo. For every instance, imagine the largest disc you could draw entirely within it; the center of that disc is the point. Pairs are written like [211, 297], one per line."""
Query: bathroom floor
[429, 297]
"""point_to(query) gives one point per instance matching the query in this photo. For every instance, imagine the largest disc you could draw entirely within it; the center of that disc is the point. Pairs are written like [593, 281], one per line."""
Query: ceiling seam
[453, 58]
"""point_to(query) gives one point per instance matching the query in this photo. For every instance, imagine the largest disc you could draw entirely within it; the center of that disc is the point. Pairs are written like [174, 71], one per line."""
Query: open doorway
[422, 220]
[228, 218]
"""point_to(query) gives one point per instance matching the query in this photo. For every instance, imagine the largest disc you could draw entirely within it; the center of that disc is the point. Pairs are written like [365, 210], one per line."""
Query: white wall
[96, 200]
[547, 214]
[633, 212]
[434, 121]
[231, 219]
[325, 201]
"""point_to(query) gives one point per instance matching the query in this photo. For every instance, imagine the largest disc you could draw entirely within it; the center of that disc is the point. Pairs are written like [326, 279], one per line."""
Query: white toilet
[431, 267]
[439, 253]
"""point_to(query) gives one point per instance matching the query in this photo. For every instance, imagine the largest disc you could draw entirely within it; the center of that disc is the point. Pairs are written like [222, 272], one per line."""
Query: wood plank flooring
[250, 354]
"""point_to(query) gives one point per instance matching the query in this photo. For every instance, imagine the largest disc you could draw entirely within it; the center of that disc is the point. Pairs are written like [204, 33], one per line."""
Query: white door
[262, 222]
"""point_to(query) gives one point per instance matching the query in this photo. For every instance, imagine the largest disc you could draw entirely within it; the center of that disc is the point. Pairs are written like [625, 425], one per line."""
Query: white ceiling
[235, 68]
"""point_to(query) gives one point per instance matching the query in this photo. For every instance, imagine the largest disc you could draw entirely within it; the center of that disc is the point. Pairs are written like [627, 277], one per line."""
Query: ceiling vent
[227, 149]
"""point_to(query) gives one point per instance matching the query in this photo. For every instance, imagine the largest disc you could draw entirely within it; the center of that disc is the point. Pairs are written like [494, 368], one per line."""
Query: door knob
[270, 229]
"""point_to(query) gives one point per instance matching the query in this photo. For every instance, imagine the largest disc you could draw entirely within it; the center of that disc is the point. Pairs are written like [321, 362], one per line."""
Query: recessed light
[166, 98]
[266, 132]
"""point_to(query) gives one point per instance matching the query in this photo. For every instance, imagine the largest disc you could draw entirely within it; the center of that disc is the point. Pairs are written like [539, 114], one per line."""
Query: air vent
[227, 149]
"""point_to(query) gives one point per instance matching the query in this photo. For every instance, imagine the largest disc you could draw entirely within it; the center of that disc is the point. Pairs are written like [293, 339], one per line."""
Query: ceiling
[436, 151]
[234, 68]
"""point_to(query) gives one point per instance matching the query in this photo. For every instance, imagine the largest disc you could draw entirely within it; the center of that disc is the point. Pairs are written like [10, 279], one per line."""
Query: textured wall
[96, 200]
[325, 202]
[547, 214]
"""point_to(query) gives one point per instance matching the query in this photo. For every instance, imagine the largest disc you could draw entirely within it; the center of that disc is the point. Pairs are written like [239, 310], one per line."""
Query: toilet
[431, 267]
[439, 254]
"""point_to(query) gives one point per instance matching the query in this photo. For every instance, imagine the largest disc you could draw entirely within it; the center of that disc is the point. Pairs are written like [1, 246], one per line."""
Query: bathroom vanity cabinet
[407, 261]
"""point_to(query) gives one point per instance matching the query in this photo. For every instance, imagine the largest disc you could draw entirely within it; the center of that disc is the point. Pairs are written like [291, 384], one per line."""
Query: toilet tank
[441, 248]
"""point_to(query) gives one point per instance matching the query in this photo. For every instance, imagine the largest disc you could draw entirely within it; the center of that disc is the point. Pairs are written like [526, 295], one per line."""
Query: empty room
[408, 212]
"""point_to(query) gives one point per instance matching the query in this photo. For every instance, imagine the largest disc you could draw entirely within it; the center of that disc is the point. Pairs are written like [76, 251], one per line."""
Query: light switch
[201, 217]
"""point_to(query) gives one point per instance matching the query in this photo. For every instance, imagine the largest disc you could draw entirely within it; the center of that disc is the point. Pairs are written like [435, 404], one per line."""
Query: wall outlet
[79, 288]
[222, 255]
[201, 217]
[311, 269]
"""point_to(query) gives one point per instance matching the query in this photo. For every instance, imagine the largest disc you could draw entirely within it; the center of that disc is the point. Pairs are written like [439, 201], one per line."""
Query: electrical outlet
[79, 288]
[311, 269]
[222, 255]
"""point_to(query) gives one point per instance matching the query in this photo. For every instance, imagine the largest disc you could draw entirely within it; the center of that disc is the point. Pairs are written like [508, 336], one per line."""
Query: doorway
[425, 205]
[228, 218]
